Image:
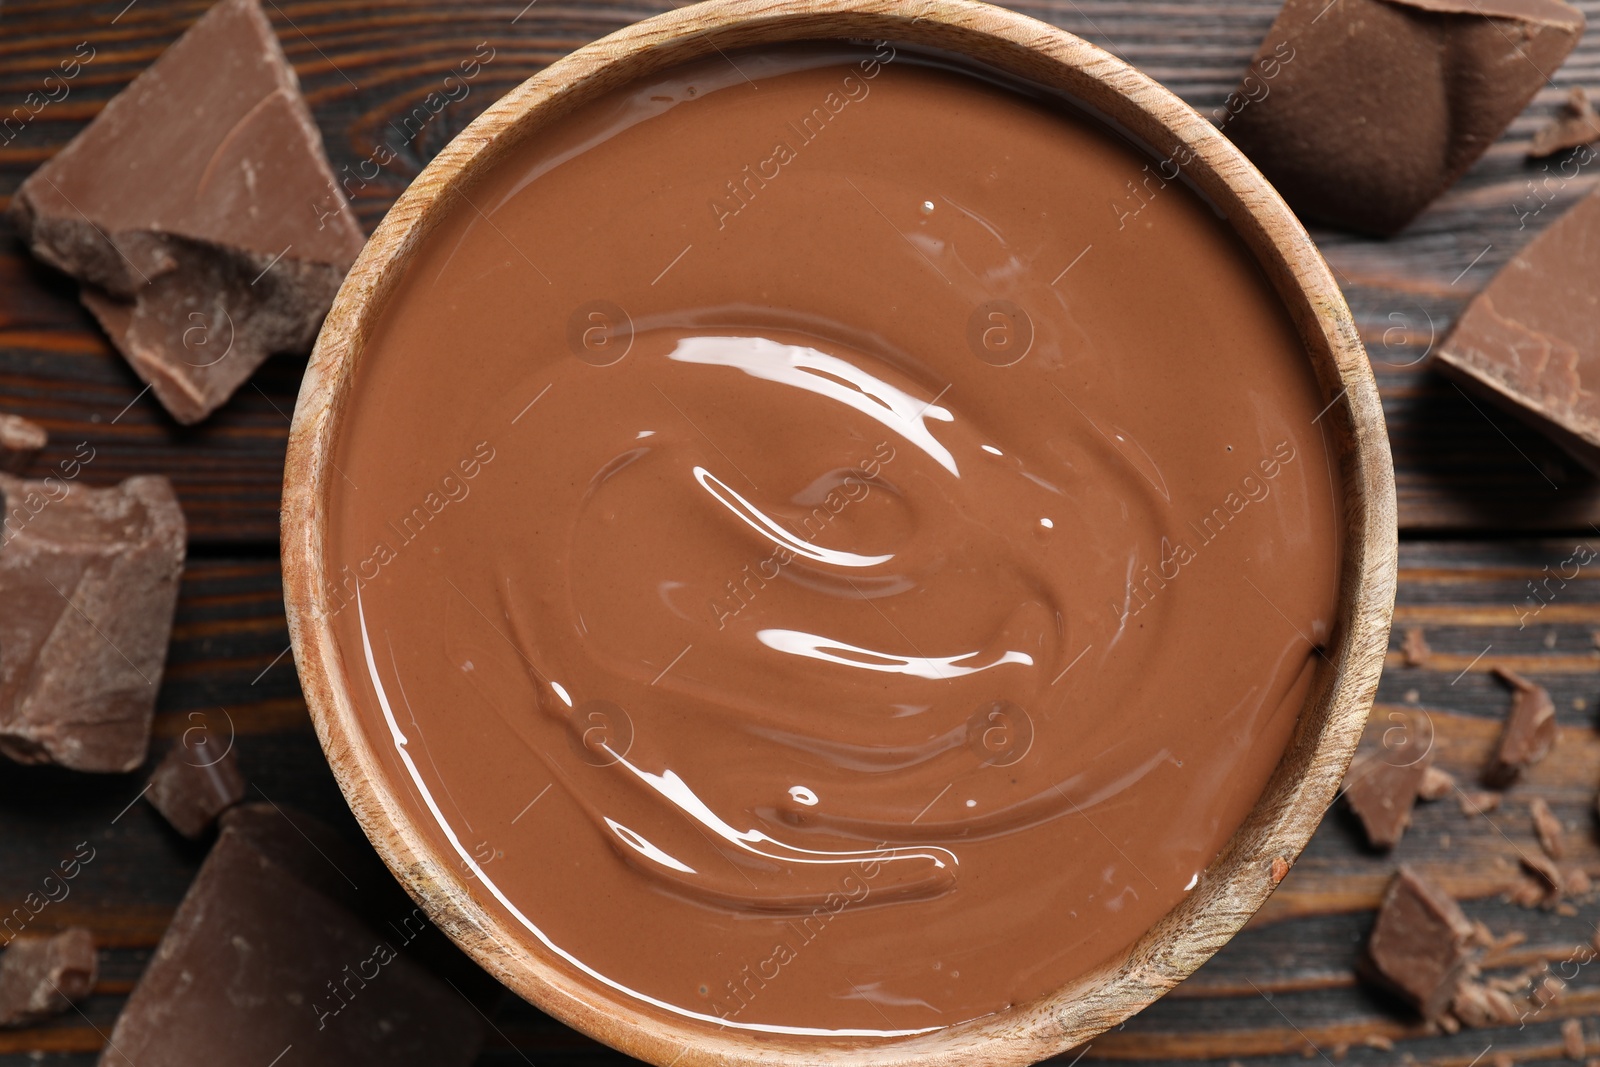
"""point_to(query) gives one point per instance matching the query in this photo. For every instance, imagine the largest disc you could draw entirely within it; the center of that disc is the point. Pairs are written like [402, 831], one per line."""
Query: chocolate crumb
[1280, 868]
[1577, 125]
[20, 441]
[1421, 946]
[1529, 732]
[1379, 1042]
[1548, 827]
[1577, 882]
[1478, 802]
[1478, 1005]
[1528, 893]
[1572, 1039]
[1436, 784]
[193, 785]
[1415, 649]
[44, 975]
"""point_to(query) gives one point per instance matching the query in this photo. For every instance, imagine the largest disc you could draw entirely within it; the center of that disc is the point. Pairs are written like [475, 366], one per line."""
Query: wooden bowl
[1328, 728]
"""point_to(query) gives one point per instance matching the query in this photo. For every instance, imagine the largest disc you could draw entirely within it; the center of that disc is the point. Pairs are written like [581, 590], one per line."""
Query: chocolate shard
[1385, 779]
[255, 961]
[1415, 649]
[199, 212]
[1421, 948]
[89, 580]
[1361, 112]
[1577, 125]
[20, 442]
[194, 784]
[44, 975]
[1551, 882]
[1529, 732]
[1530, 341]
[1572, 1040]
[1552, 835]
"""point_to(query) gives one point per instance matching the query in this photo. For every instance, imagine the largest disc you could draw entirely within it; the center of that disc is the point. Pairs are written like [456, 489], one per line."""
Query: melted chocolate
[827, 559]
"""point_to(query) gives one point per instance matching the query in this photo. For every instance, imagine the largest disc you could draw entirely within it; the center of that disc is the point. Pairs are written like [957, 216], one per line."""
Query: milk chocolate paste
[829, 543]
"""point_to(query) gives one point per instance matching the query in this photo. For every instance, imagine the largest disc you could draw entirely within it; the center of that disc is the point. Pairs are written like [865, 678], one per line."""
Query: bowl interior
[1326, 731]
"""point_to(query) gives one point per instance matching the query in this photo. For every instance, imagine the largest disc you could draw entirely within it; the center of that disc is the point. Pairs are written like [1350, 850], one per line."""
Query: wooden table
[1485, 506]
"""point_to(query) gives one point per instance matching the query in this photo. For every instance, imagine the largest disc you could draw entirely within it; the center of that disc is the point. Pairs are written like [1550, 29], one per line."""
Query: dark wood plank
[368, 69]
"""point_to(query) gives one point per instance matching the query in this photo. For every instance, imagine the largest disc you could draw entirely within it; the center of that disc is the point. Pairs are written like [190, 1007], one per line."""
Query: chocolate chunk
[1529, 732]
[255, 961]
[89, 579]
[199, 212]
[1384, 780]
[307, 848]
[20, 441]
[1479, 802]
[1577, 125]
[1361, 112]
[1545, 824]
[1530, 341]
[1551, 880]
[1421, 948]
[194, 784]
[1416, 650]
[42, 975]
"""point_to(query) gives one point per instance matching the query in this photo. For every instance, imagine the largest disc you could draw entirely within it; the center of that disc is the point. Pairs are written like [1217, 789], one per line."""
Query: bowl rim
[1327, 729]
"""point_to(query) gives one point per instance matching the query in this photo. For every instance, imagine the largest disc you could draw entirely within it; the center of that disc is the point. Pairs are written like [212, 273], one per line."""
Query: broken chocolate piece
[199, 212]
[1530, 731]
[194, 784]
[20, 441]
[89, 579]
[1384, 780]
[1572, 1042]
[256, 958]
[1577, 125]
[1436, 784]
[1551, 882]
[1548, 827]
[1415, 649]
[44, 975]
[1361, 112]
[1421, 947]
[1530, 341]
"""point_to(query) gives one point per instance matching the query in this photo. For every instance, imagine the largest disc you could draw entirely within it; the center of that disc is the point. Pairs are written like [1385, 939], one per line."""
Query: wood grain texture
[1281, 985]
